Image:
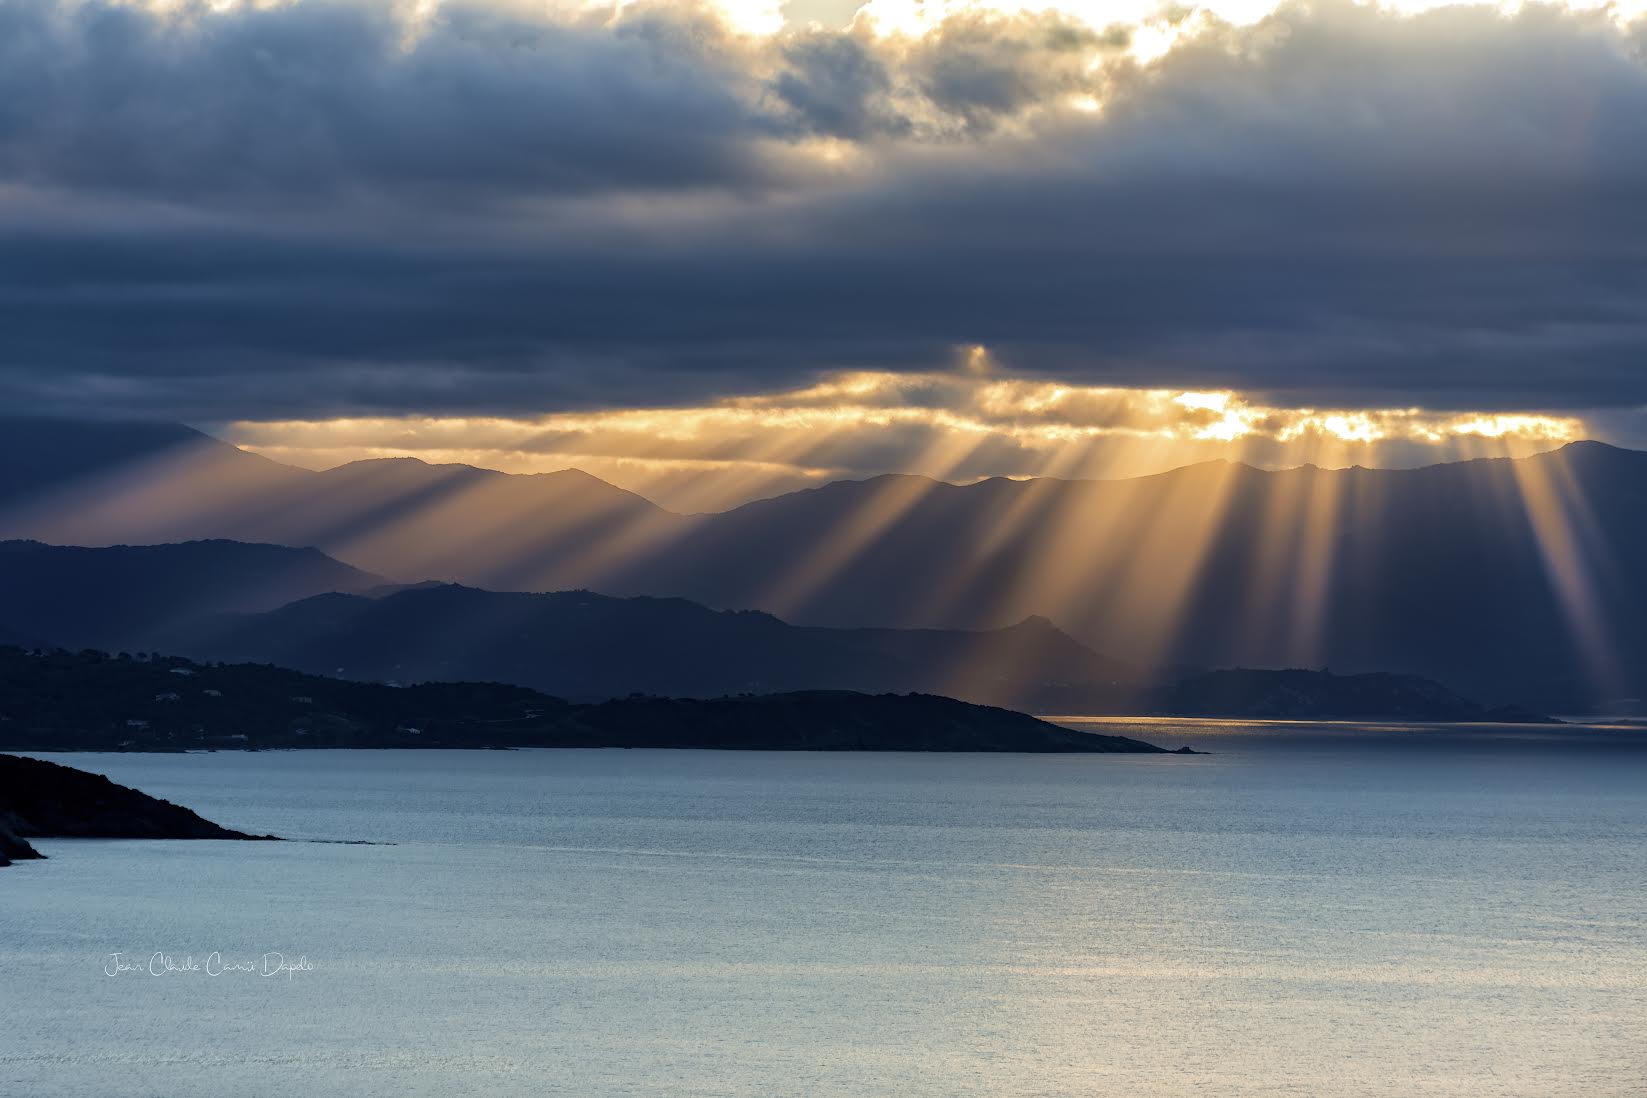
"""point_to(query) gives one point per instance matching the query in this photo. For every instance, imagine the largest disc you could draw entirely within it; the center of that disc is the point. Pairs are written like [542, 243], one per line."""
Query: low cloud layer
[325, 208]
[957, 425]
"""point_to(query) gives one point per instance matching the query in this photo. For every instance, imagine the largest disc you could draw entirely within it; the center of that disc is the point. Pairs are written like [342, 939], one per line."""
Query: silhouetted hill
[14, 848]
[44, 800]
[587, 646]
[105, 483]
[415, 521]
[59, 701]
[1517, 581]
[125, 596]
[45, 458]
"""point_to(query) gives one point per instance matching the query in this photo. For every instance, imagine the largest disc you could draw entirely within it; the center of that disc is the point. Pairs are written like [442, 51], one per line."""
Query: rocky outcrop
[43, 800]
[14, 849]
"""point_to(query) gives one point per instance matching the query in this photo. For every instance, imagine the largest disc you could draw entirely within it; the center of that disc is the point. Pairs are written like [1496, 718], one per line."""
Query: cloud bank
[332, 208]
[956, 426]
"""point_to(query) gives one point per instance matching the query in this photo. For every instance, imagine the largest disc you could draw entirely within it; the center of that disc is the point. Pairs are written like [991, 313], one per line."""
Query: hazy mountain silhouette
[74, 483]
[1510, 580]
[416, 521]
[124, 596]
[173, 598]
[49, 468]
[586, 646]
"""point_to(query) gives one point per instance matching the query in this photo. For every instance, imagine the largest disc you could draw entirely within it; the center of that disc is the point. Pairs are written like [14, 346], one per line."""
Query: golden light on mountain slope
[1565, 532]
[1295, 559]
[1136, 553]
[1139, 562]
[1137, 557]
[890, 502]
[146, 500]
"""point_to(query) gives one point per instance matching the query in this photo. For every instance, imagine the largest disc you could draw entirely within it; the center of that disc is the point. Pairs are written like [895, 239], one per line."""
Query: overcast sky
[319, 209]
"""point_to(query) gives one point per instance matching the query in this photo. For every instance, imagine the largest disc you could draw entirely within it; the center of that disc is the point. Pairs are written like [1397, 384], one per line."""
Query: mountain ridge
[589, 647]
[123, 595]
[63, 701]
[163, 435]
[1509, 578]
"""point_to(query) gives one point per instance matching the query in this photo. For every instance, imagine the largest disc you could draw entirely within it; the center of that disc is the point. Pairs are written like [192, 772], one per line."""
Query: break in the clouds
[951, 425]
[315, 209]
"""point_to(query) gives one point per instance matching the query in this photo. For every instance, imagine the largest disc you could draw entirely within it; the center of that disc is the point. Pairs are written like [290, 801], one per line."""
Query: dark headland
[43, 800]
[90, 701]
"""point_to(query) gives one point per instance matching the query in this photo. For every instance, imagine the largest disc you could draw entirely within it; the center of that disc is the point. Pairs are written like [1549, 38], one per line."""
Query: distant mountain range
[589, 647]
[586, 646]
[1509, 580]
[74, 483]
[125, 596]
[61, 701]
[203, 599]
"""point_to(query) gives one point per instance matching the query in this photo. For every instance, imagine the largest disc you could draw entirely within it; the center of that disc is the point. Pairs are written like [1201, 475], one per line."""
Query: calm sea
[1310, 910]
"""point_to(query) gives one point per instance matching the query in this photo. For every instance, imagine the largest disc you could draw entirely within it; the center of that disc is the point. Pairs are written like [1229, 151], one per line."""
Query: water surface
[1311, 910]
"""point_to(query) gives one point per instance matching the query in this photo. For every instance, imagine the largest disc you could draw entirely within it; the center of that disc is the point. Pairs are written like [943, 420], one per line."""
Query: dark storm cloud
[313, 99]
[836, 86]
[309, 210]
[986, 70]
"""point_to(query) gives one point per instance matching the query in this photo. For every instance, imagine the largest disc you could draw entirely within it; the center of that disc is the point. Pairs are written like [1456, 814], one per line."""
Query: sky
[712, 251]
